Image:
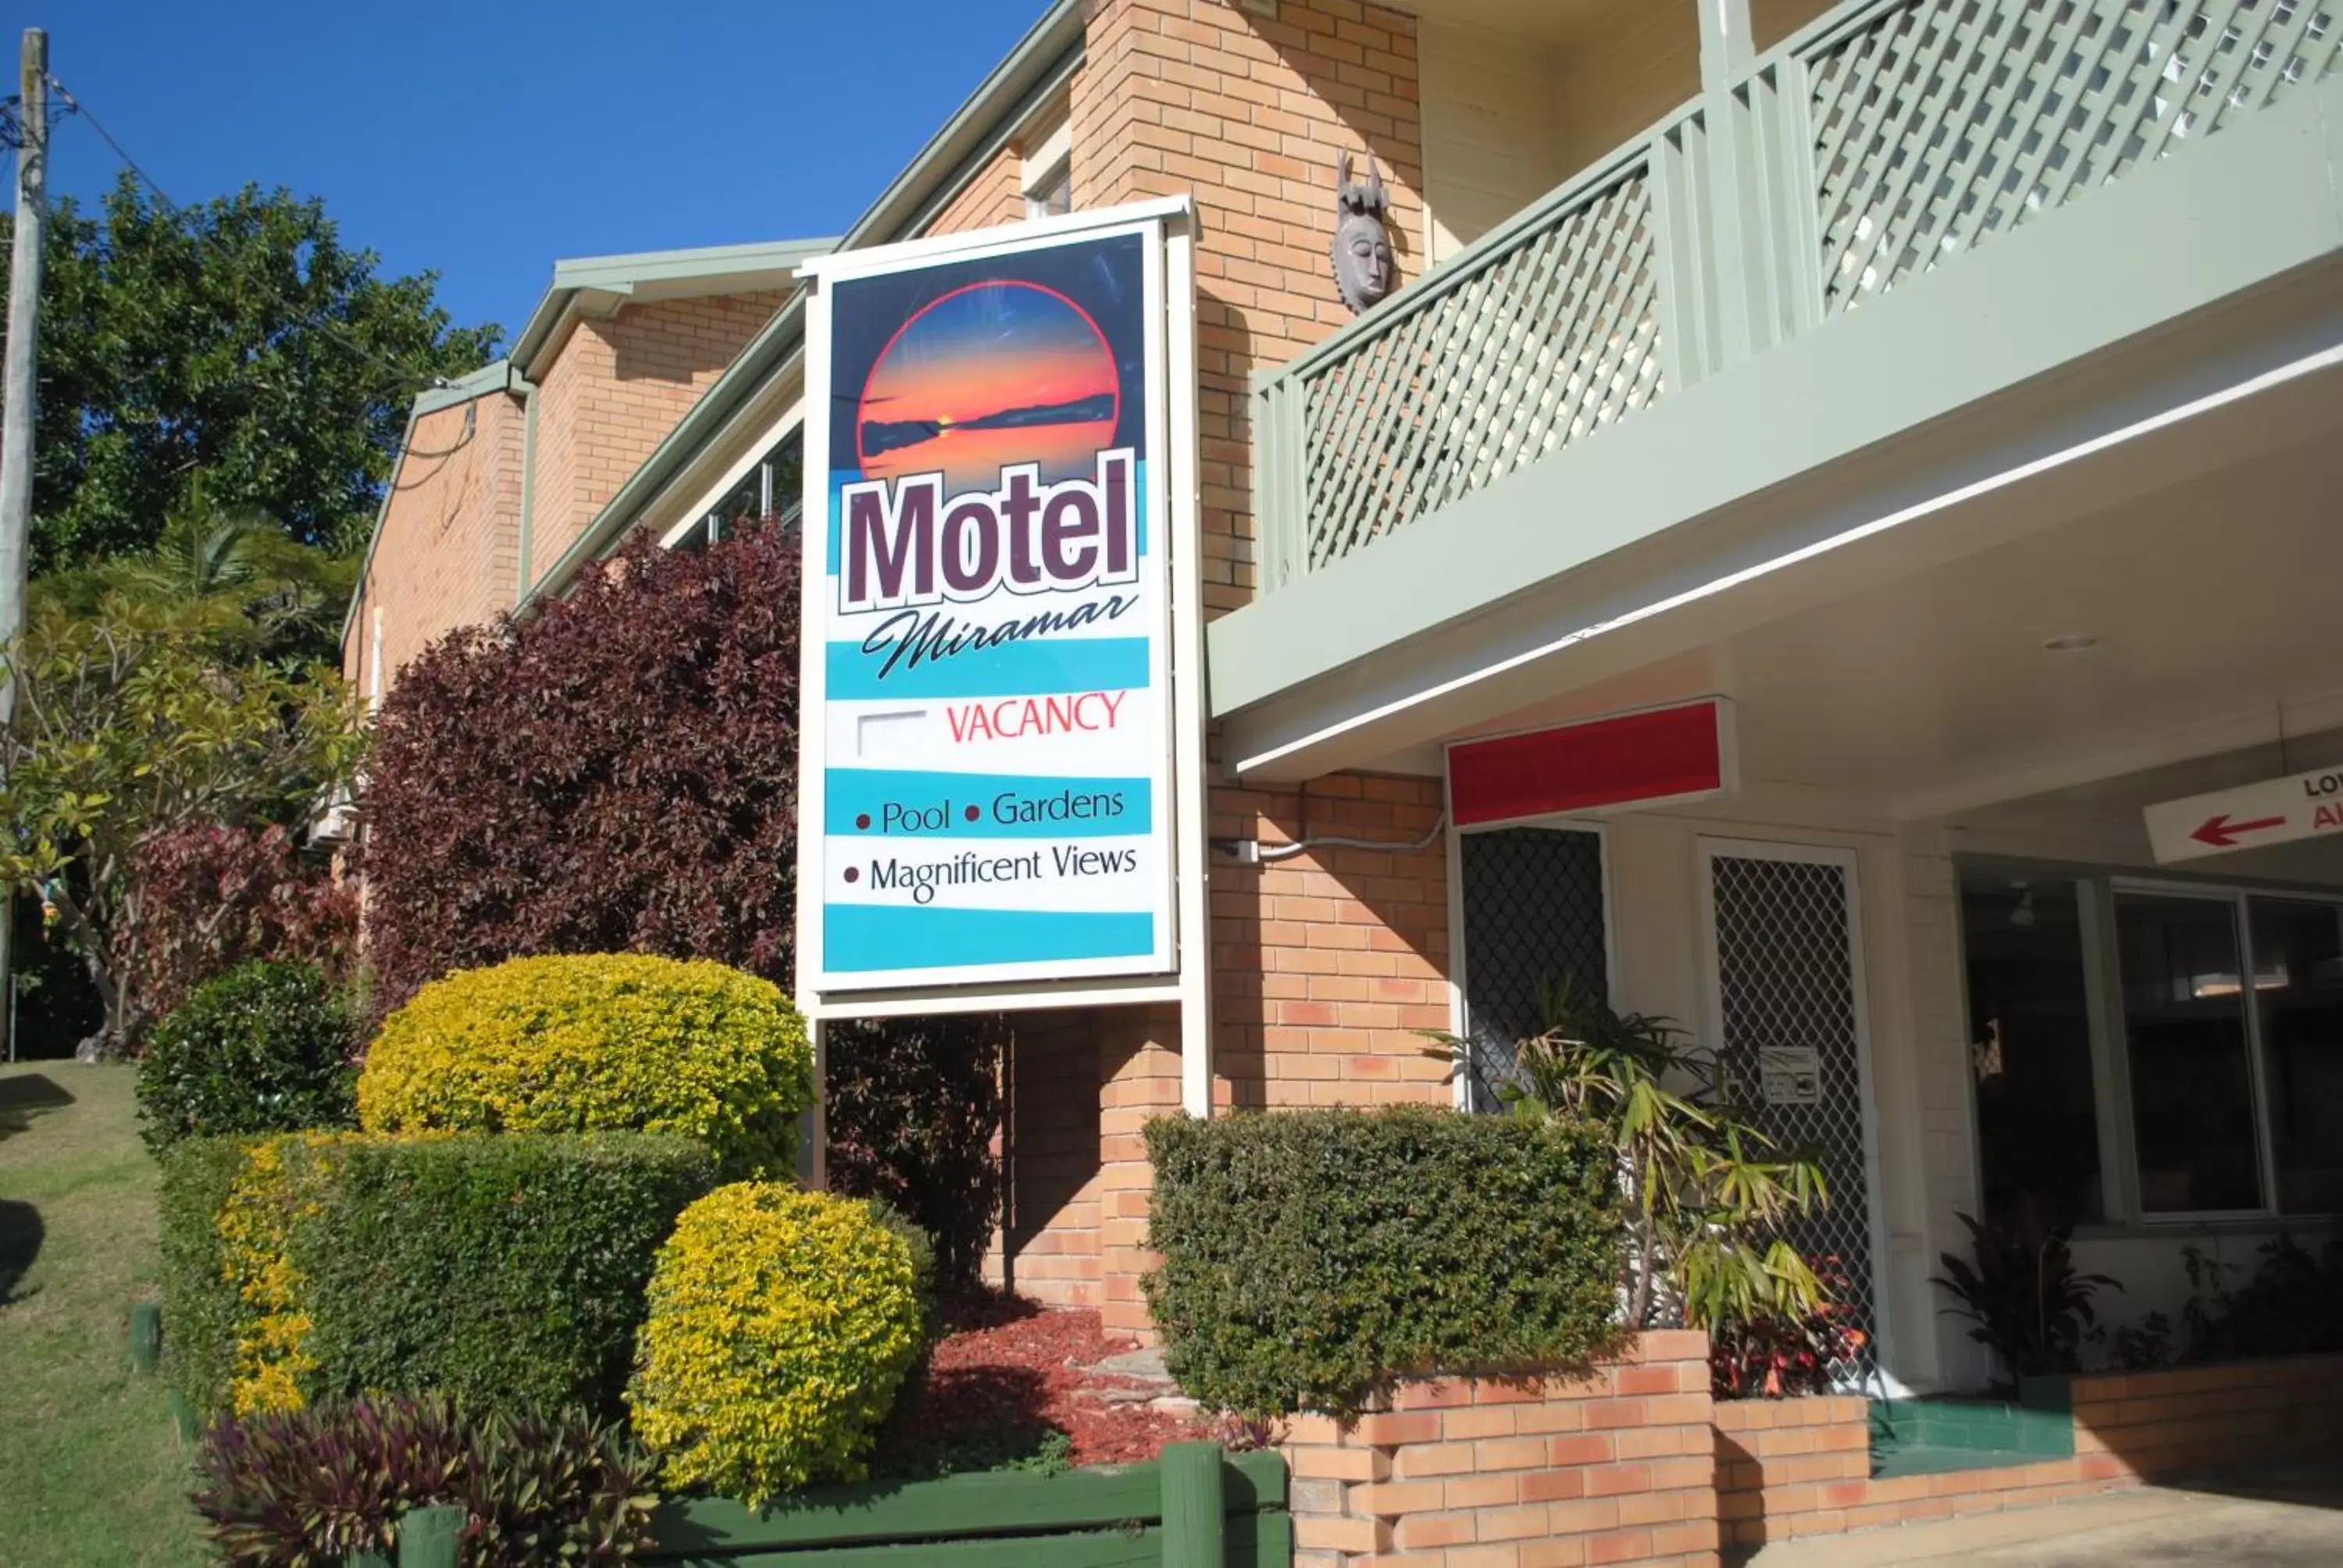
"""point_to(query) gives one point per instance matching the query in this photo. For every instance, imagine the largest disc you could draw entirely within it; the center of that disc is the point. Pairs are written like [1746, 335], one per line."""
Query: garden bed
[1011, 1384]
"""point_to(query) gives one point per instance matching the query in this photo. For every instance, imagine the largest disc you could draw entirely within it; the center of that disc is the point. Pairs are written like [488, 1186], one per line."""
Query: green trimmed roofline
[1036, 70]
[599, 285]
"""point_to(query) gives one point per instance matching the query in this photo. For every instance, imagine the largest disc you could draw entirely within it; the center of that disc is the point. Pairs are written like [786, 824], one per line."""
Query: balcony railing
[1886, 140]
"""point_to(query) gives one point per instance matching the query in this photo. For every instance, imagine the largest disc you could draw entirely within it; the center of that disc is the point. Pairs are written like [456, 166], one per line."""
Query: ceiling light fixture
[2072, 644]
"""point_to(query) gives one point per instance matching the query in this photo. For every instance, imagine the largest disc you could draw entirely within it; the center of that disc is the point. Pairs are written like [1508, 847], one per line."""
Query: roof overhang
[597, 286]
[1034, 72]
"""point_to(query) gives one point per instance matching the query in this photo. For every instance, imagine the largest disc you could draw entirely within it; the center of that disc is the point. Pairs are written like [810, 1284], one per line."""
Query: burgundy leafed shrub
[203, 900]
[913, 1106]
[616, 773]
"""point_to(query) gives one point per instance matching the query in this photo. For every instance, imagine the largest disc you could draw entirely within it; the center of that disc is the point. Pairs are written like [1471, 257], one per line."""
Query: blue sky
[486, 139]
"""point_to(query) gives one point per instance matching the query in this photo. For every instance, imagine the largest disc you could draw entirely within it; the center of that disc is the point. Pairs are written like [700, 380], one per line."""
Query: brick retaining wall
[1614, 1466]
[1634, 1463]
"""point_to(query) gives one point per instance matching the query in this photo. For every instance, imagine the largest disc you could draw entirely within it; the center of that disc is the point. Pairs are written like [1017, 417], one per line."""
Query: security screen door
[1532, 919]
[1786, 1014]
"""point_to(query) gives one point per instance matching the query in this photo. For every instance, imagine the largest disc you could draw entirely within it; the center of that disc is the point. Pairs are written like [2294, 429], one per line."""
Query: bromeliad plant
[1705, 1195]
[302, 1488]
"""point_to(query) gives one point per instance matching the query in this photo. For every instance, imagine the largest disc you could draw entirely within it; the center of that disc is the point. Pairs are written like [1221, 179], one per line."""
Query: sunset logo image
[989, 374]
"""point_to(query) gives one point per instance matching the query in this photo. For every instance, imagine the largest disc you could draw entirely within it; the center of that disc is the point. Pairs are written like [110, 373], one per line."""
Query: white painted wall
[1492, 131]
[1506, 118]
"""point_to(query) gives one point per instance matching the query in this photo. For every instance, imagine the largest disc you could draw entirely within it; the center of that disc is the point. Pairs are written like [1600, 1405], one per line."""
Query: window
[1048, 177]
[2223, 1035]
[2030, 1048]
[772, 491]
[2190, 1051]
[1054, 196]
[2298, 987]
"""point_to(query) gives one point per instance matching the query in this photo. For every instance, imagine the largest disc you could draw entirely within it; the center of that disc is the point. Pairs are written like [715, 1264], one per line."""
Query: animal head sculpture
[1363, 271]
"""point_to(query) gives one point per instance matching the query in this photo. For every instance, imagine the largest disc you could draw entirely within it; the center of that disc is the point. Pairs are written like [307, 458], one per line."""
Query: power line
[325, 324]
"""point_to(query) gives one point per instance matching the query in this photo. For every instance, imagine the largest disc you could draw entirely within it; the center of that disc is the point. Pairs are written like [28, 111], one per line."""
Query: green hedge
[202, 1316]
[507, 1272]
[1312, 1258]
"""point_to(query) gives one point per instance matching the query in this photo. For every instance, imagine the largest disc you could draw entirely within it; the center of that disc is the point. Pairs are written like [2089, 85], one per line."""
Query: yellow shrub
[781, 1325]
[255, 1225]
[599, 1043]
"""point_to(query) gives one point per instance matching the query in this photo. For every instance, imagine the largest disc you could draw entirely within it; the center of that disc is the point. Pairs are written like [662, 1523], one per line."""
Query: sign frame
[2288, 809]
[1167, 227]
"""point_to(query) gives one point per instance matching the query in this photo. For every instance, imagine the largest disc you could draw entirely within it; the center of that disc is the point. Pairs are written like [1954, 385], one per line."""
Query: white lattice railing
[1546, 330]
[1940, 122]
[1885, 141]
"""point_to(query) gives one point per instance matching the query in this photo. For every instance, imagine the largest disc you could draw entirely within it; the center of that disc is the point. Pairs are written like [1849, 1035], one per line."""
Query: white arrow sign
[2305, 806]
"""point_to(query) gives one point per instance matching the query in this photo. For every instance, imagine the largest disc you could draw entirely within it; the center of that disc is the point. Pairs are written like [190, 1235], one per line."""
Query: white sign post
[2253, 817]
[1000, 755]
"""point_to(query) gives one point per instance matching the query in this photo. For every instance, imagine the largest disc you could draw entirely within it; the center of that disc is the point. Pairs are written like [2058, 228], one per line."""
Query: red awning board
[1633, 759]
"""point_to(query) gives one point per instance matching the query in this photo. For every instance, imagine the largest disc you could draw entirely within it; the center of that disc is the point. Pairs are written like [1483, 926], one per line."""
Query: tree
[131, 728]
[240, 342]
[235, 574]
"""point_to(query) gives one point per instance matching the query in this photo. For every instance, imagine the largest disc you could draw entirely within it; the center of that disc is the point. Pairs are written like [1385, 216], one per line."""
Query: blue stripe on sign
[839, 480]
[861, 937]
[1030, 667]
[901, 804]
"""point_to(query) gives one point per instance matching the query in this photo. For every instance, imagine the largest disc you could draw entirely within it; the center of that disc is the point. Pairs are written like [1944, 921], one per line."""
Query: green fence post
[146, 1335]
[427, 1537]
[1195, 1527]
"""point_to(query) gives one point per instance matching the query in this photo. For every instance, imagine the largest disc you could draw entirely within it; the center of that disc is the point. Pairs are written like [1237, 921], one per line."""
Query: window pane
[2299, 984]
[784, 468]
[2191, 1081]
[2030, 1048]
[1053, 196]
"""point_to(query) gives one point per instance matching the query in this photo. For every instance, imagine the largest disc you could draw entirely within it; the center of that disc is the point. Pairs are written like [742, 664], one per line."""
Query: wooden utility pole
[18, 387]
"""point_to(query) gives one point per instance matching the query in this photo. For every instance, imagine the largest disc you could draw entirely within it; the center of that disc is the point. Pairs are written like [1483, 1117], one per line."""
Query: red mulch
[1005, 1366]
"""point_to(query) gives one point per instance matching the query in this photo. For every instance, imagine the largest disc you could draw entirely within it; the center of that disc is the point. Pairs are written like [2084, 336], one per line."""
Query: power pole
[19, 388]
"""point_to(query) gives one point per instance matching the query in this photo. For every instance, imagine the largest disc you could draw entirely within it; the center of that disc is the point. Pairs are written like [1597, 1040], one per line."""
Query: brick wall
[1082, 1084]
[1246, 113]
[1048, 1244]
[1326, 963]
[1799, 1467]
[614, 390]
[996, 195]
[1613, 1466]
[447, 556]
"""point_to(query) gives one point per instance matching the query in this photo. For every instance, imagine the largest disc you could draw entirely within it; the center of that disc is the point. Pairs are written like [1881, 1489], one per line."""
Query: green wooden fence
[1197, 1507]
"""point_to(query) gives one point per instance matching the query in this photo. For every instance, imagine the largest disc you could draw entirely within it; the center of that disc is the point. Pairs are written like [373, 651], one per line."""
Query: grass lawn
[91, 1475]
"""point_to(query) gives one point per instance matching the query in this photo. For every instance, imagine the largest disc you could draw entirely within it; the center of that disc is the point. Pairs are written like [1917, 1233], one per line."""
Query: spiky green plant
[1705, 1194]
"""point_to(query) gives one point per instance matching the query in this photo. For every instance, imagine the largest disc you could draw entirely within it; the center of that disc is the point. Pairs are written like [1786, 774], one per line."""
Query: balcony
[1883, 142]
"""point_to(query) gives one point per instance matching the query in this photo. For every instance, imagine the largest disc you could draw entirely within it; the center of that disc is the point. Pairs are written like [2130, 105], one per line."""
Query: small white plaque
[1790, 1074]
